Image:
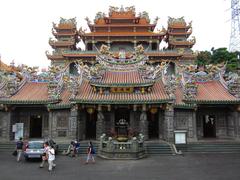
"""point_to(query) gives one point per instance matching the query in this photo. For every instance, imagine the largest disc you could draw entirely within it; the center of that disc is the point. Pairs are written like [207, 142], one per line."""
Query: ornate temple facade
[122, 84]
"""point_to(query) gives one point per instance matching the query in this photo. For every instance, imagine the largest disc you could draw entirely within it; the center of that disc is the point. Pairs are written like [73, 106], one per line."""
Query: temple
[121, 85]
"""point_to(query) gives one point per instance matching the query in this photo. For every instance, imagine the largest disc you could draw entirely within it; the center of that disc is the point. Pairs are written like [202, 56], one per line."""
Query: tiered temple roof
[121, 80]
[122, 25]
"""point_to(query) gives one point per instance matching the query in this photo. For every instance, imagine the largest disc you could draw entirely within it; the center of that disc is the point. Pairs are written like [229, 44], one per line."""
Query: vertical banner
[18, 130]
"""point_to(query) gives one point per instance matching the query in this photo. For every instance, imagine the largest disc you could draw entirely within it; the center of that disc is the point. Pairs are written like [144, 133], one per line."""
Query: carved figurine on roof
[99, 15]
[144, 15]
[68, 21]
[56, 81]
[202, 74]
[180, 20]
[121, 9]
[9, 84]
[233, 84]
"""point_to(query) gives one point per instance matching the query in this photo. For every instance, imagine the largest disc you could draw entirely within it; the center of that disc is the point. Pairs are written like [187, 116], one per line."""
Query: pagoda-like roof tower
[122, 30]
[121, 25]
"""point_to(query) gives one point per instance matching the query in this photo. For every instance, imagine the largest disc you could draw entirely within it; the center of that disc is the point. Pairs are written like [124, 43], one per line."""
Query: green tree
[219, 55]
[203, 58]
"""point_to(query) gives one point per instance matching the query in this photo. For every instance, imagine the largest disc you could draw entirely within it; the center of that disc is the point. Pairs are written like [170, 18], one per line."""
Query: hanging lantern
[90, 110]
[153, 110]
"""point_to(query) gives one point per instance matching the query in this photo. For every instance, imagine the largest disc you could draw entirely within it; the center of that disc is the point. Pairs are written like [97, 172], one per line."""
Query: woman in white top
[51, 158]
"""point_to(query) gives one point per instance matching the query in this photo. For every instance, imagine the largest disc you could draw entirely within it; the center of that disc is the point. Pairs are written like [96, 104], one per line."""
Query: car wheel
[26, 158]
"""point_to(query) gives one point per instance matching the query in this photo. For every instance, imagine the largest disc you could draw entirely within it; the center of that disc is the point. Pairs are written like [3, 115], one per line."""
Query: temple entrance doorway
[91, 125]
[122, 121]
[35, 126]
[153, 126]
[209, 126]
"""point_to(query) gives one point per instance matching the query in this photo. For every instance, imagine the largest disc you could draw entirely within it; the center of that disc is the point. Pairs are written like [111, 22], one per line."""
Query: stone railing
[110, 148]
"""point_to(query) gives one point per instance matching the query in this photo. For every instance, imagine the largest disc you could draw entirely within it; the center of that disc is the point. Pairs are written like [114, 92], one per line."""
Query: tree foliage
[219, 55]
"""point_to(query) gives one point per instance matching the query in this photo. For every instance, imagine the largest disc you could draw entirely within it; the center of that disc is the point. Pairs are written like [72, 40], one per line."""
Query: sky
[26, 25]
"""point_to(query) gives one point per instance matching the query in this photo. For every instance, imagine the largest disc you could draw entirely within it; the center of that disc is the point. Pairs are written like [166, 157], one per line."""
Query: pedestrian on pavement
[19, 148]
[45, 154]
[51, 158]
[90, 153]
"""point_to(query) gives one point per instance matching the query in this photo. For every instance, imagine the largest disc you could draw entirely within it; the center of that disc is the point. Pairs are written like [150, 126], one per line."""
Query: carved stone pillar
[192, 127]
[100, 127]
[6, 127]
[168, 123]
[81, 133]
[143, 125]
[73, 122]
[50, 120]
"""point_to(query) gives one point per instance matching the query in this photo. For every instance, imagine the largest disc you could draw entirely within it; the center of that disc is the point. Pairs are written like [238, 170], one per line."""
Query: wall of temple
[185, 119]
[35, 121]
[221, 121]
[59, 127]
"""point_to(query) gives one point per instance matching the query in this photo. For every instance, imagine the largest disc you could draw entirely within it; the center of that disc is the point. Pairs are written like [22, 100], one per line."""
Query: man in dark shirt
[19, 147]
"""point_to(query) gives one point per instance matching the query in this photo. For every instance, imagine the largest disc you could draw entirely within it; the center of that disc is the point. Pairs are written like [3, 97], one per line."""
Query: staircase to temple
[213, 147]
[153, 148]
[159, 149]
[7, 146]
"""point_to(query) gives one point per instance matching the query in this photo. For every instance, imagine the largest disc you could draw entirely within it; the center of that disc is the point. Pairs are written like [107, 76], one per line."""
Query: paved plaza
[187, 167]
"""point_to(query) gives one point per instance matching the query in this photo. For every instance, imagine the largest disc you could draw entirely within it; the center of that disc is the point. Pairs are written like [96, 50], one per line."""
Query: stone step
[213, 147]
[159, 149]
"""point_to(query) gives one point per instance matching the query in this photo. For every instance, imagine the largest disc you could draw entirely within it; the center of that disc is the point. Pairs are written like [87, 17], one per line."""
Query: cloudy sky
[26, 24]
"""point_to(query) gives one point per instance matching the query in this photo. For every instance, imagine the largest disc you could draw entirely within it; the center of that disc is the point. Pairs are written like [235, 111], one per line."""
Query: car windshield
[35, 145]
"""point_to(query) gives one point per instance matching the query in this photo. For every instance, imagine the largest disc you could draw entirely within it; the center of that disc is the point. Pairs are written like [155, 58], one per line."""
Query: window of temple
[62, 122]
[62, 133]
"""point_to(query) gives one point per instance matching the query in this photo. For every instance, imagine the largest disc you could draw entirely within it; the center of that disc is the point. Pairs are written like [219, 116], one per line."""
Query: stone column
[50, 120]
[81, 132]
[168, 123]
[143, 125]
[6, 127]
[192, 127]
[236, 116]
[131, 123]
[160, 124]
[238, 125]
[99, 125]
[73, 122]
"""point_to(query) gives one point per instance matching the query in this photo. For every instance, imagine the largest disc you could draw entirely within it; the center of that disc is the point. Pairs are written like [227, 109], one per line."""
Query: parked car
[35, 148]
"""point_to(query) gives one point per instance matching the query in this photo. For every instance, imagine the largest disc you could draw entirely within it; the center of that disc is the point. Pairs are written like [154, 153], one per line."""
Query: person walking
[90, 153]
[19, 148]
[45, 154]
[51, 158]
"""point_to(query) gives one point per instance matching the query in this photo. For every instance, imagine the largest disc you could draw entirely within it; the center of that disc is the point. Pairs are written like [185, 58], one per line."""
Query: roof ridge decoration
[68, 21]
[192, 74]
[108, 62]
[130, 9]
[210, 72]
[170, 84]
[99, 15]
[233, 84]
[145, 15]
[178, 21]
[12, 81]
[57, 76]
[65, 23]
